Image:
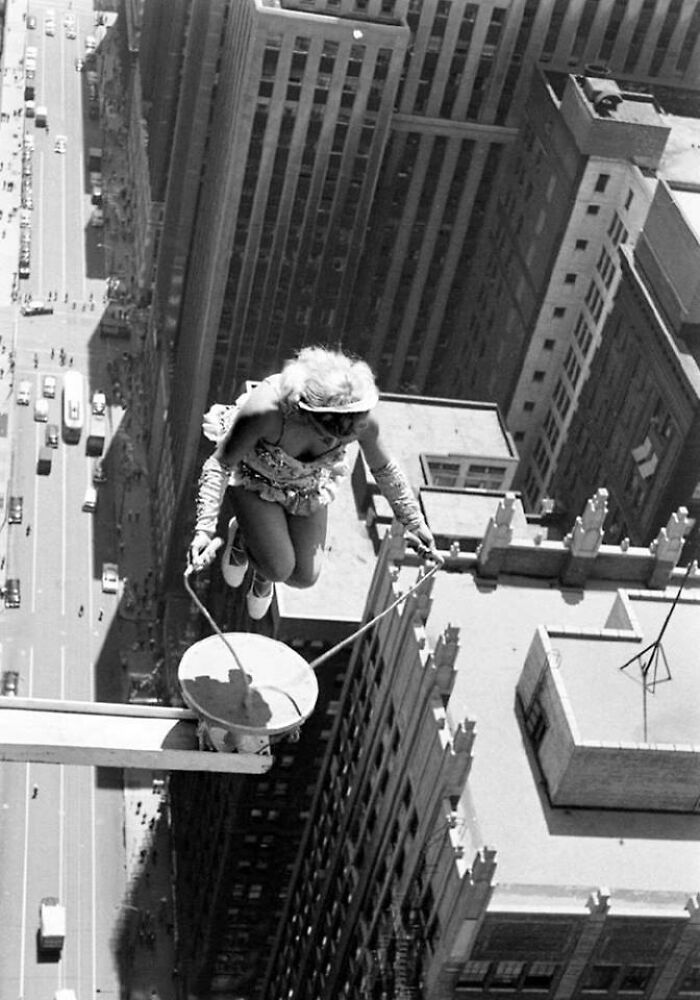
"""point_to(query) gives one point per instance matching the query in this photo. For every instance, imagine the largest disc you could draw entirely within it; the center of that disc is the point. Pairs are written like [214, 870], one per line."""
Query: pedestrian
[321, 402]
[35, 791]
[53, 353]
[28, 530]
[81, 611]
[100, 615]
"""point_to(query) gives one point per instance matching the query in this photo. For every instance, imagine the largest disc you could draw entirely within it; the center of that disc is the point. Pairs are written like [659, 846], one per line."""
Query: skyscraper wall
[343, 182]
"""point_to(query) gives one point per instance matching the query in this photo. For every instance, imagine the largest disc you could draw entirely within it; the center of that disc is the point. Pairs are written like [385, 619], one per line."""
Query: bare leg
[265, 533]
[308, 535]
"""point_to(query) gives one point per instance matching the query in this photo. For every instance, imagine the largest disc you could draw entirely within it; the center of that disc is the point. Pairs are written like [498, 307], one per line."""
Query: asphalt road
[68, 840]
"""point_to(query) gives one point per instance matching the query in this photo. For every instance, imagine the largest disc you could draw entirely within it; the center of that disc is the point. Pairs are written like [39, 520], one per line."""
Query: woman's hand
[422, 540]
[203, 550]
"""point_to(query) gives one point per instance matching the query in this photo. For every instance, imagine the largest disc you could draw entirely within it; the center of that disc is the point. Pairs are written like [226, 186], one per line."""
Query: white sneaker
[259, 597]
[234, 561]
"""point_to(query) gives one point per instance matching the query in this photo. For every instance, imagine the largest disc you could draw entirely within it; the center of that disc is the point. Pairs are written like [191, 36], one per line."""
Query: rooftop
[557, 856]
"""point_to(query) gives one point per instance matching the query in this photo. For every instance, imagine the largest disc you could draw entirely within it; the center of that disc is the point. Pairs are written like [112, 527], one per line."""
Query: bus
[73, 407]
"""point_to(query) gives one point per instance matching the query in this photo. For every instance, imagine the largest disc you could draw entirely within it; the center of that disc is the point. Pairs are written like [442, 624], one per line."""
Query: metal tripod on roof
[656, 670]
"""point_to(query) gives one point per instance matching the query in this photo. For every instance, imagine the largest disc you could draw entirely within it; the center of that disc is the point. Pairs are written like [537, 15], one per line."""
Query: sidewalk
[11, 133]
[147, 934]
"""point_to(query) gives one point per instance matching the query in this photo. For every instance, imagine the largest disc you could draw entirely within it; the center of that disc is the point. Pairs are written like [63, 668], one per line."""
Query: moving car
[43, 465]
[13, 594]
[41, 410]
[16, 510]
[50, 386]
[52, 435]
[90, 501]
[61, 144]
[10, 682]
[24, 393]
[79, 63]
[52, 924]
[37, 308]
[31, 22]
[110, 578]
[98, 473]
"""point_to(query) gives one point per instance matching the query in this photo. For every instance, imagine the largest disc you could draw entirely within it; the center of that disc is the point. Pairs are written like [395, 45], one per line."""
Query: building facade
[478, 795]
[238, 842]
[330, 167]
[643, 442]
[581, 179]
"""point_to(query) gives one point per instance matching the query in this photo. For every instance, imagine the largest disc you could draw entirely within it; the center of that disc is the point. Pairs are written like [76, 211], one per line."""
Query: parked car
[98, 473]
[10, 682]
[99, 403]
[16, 510]
[24, 393]
[13, 594]
[79, 64]
[41, 410]
[110, 578]
[52, 435]
[50, 386]
[31, 22]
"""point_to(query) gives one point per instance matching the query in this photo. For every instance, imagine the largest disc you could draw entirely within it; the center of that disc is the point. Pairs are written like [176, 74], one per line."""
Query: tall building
[508, 802]
[644, 443]
[331, 163]
[463, 92]
[581, 179]
[237, 842]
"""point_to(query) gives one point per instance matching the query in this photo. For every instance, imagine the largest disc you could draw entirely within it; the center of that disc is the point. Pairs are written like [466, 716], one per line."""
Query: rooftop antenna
[656, 662]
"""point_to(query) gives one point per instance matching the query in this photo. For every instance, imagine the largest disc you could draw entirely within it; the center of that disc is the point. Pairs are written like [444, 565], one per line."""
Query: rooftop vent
[604, 94]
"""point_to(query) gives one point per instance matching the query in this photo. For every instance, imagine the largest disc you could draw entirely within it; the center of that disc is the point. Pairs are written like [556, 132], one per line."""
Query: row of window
[540, 976]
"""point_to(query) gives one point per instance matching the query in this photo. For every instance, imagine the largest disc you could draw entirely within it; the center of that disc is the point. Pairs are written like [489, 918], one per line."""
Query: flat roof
[412, 426]
[608, 702]
[553, 857]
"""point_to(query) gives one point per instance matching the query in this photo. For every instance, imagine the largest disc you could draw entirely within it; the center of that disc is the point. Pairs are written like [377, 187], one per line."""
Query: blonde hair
[323, 377]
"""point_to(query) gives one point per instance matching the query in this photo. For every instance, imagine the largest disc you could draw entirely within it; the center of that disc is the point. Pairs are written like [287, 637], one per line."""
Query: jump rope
[422, 550]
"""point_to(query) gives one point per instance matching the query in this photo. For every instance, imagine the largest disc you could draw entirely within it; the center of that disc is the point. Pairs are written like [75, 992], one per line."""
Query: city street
[63, 830]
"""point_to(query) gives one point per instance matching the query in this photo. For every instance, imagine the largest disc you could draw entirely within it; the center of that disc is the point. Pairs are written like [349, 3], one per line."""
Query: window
[592, 209]
[570, 278]
[539, 976]
[602, 182]
[581, 244]
[548, 345]
[473, 975]
[600, 978]
[528, 406]
[507, 975]
[635, 978]
[538, 376]
[519, 436]
[558, 312]
[691, 981]
[628, 200]
[443, 473]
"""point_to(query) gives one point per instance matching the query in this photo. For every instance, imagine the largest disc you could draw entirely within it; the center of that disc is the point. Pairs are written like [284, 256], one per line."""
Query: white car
[110, 578]
[61, 144]
[24, 393]
[41, 410]
[99, 403]
[50, 386]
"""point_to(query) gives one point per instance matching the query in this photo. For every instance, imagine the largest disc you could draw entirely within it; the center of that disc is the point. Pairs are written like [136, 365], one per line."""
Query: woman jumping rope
[281, 454]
